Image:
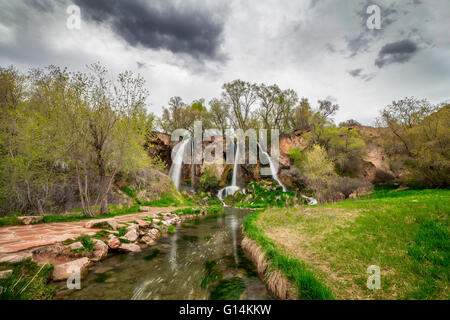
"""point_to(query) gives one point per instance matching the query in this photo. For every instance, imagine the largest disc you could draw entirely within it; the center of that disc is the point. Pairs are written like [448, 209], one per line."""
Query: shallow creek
[202, 260]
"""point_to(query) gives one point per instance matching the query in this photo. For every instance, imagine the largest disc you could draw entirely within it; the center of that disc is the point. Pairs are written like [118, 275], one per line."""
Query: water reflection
[177, 270]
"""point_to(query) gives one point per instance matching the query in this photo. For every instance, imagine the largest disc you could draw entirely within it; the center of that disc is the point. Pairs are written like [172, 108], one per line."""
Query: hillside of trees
[83, 132]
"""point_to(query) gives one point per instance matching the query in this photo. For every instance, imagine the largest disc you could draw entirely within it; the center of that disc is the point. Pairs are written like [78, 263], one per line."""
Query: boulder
[65, 270]
[144, 209]
[153, 233]
[102, 224]
[132, 235]
[143, 224]
[129, 247]
[76, 246]
[13, 258]
[100, 251]
[30, 219]
[5, 274]
[114, 243]
[147, 240]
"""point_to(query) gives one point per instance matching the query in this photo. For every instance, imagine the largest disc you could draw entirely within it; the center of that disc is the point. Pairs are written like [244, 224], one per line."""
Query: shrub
[208, 180]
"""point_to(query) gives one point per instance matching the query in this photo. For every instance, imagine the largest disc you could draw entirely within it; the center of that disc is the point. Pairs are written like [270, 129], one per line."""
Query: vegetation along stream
[202, 260]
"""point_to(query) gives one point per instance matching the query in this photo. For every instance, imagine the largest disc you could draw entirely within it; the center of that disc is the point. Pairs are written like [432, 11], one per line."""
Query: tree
[402, 115]
[219, 114]
[350, 123]
[106, 135]
[302, 116]
[240, 97]
[419, 136]
[275, 107]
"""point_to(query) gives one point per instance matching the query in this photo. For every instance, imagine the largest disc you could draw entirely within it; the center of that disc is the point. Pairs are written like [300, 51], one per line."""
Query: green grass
[405, 233]
[168, 199]
[29, 281]
[171, 229]
[86, 241]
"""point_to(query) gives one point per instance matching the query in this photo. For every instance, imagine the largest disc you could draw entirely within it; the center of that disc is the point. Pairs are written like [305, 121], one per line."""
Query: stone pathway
[18, 238]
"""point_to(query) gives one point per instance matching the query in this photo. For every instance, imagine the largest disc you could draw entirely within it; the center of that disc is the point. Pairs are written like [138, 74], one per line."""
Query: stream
[186, 265]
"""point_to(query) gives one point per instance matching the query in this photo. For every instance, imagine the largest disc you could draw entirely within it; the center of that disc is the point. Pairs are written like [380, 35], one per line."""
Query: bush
[208, 180]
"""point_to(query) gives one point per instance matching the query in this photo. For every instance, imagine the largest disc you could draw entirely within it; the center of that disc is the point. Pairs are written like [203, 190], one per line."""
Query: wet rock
[76, 246]
[30, 219]
[129, 247]
[5, 274]
[100, 251]
[153, 233]
[65, 270]
[114, 243]
[102, 224]
[147, 240]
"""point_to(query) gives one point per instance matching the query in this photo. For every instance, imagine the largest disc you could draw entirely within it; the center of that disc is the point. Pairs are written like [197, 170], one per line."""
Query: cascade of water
[192, 167]
[175, 169]
[273, 170]
[230, 190]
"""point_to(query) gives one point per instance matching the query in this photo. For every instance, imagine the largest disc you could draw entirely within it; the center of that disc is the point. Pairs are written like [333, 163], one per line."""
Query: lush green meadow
[405, 233]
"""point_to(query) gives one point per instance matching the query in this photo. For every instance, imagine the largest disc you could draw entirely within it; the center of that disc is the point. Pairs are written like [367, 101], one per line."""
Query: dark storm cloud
[158, 24]
[396, 52]
[358, 73]
[355, 73]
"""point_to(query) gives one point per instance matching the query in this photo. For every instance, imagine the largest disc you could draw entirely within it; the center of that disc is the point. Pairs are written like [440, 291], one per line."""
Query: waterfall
[192, 167]
[230, 190]
[177, 164]
[236, 159]
[273, 170]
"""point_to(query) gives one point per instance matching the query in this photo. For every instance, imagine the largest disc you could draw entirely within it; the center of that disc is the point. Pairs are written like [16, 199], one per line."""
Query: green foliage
[131, 193]
[231, 289]
[297, 156]
[187, 211]
[102, 277]
[208, 180]
[167, 199]
[63, 130]
[418, 136]
[171, 229]
[211, 274]
[29, 281]
[153, 254]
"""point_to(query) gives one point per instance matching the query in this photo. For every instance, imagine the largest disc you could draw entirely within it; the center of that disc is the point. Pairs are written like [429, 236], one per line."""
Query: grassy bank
[28, 281]
[308, 286]
[405, 233]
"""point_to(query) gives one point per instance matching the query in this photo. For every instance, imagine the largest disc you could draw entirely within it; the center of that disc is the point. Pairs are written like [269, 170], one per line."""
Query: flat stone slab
[65, 270]
[18, 238]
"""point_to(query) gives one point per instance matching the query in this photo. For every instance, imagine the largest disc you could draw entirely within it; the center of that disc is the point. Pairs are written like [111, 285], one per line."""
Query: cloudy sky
[189, 48]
